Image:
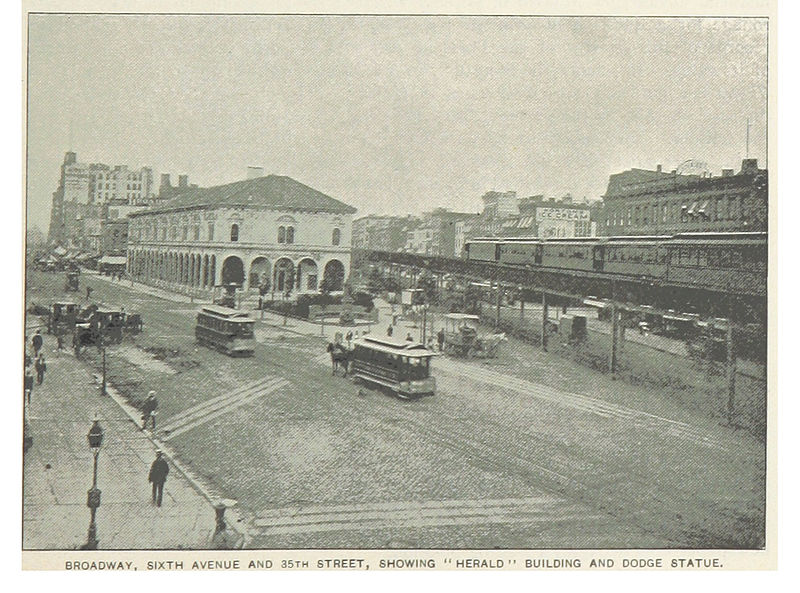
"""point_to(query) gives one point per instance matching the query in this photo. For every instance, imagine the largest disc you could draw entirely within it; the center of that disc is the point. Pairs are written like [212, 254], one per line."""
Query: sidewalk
[57, 473]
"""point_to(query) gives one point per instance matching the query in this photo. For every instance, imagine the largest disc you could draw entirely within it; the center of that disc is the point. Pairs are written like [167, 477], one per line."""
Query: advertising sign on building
[561, 214]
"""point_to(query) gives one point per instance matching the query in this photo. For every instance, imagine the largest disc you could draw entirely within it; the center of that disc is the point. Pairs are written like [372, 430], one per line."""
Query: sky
[393, 115]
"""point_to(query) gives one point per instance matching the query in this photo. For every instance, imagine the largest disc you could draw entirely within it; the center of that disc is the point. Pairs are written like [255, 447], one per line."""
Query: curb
[234, 518]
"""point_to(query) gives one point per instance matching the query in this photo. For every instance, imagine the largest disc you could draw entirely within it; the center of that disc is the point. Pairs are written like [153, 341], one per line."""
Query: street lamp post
[95, 438]
[103, 386]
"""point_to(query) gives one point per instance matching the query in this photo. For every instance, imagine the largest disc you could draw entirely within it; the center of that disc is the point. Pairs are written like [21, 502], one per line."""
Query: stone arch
[307, 275]
[233, 270]
[259, 268]
[333, 276]
[283, 275]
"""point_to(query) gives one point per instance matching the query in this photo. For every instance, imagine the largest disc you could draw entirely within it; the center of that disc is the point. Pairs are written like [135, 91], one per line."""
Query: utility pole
[544, 321]
[747, 141]
[730, 366]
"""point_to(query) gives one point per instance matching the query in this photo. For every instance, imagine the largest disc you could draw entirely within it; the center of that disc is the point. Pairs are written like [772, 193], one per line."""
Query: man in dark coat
[158, 475]
[149, 410]
[37, 342]
[440, 339]
[41, 367]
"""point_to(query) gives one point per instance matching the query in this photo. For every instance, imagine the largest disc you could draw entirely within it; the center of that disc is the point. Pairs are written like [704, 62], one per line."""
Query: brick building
[643, 202]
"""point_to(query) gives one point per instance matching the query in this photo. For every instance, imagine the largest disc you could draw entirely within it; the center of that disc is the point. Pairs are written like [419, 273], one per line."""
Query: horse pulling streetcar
[228, 330]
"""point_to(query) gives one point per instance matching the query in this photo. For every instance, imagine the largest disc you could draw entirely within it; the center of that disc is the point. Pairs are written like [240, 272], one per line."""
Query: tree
[430, 290]
[376, 282]
[472, 300]
[264, 284]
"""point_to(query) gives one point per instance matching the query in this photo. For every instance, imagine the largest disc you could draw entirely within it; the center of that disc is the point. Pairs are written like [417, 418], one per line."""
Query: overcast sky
[393, 114]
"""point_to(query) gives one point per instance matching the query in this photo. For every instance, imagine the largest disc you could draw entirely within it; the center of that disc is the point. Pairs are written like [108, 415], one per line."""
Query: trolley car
[225, 329]
[402, 367]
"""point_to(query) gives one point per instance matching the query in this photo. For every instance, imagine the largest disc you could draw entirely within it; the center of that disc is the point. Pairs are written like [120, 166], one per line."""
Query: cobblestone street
[504, 455]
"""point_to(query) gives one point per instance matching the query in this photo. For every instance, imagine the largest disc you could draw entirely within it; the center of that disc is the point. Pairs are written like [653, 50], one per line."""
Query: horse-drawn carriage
[96, 322]
[461, 337]
[62, 317]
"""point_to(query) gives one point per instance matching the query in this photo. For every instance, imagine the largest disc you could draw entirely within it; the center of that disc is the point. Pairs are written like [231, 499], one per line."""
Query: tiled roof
[274, 191]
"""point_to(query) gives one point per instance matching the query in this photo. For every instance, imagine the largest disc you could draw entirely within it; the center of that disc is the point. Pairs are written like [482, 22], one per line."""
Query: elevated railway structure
[710, 276]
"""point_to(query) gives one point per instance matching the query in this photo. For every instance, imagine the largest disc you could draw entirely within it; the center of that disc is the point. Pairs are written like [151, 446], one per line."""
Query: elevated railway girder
[629, 293]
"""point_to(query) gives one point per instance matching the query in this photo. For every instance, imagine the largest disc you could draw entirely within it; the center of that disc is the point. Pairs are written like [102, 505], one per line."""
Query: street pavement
[527, 450]
[58, 472]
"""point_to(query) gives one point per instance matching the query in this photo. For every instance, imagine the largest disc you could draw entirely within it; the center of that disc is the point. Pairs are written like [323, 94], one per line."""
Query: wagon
[461, 337]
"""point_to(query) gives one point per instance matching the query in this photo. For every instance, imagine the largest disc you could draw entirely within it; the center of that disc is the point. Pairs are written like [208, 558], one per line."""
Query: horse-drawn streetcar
[403, 367]
[227, 330]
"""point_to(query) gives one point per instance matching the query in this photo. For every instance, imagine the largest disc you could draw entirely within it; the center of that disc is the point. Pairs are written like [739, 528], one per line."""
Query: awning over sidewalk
[113, 260]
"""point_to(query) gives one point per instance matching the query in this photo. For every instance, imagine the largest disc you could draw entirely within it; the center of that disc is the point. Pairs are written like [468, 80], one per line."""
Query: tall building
[642, 202]
[84, 191]
[267, 227]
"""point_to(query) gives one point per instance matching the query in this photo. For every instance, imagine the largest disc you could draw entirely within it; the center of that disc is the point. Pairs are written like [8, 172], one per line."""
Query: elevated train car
[735, 262]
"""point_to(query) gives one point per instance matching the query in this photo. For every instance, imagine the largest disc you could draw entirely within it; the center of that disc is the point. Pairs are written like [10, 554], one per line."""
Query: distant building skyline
[394, 113]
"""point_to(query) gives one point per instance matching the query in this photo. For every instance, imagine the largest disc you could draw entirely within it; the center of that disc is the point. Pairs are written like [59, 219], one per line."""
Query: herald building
[269, 227]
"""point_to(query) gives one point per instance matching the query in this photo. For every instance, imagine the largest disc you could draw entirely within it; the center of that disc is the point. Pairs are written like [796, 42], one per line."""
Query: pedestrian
[158, 475]
[440, 339]
[37, 342]
[41, 367]
[28, 384]
[59, 342]
[349, 338]
[149, 410]
[409, 338]
[389, 331]
[88, 292]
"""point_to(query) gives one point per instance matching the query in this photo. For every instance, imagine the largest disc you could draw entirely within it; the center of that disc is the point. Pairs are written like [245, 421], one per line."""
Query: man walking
[37, 342]
[28, 383]
[440, 339]
[149, 410]
[41, 367]
[158, 475]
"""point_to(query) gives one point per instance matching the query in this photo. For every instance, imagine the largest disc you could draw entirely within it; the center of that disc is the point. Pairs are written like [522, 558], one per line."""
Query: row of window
[732, 208]
[111, 175]
[286, 234]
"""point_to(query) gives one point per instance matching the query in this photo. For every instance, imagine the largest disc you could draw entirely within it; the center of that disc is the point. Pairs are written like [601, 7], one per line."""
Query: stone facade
[270, 227]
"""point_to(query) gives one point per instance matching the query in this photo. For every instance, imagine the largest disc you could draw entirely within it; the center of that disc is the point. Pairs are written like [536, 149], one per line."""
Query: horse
[340, 357]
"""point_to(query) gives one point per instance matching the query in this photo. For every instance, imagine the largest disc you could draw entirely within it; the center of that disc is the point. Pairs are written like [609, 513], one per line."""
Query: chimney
[727, 172]
[70, 158]
[749, 166]
[658, 168]
[253, 172]
[165, 181]
[183, 181]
